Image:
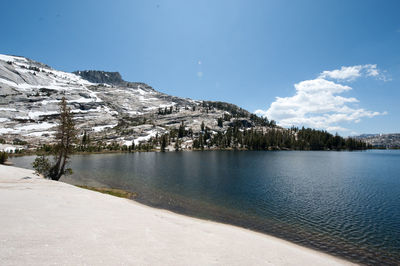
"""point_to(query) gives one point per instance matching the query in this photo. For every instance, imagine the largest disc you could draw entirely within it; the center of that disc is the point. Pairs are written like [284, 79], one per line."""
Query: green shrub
[42, 166]
[3, 157]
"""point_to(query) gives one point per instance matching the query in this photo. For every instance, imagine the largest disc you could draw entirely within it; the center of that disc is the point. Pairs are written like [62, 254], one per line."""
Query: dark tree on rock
[181, 131]
[163, 143]
[65, 137]
[220, 122]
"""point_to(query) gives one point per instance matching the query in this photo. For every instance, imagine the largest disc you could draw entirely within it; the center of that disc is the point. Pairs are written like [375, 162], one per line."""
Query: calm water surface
[343, 203]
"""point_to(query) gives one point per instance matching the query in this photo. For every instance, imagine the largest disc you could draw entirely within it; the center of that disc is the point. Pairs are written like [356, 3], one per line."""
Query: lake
[343, 203]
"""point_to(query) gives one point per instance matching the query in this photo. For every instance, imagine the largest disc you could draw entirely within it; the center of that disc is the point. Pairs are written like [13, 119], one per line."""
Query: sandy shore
[44, 222]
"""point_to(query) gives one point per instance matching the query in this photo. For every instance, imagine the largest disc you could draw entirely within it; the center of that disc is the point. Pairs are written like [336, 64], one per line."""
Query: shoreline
[35, 152]
[82, 226]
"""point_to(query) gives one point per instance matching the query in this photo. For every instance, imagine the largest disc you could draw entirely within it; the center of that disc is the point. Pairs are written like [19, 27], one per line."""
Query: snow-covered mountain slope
[381, 140]
[115, 110]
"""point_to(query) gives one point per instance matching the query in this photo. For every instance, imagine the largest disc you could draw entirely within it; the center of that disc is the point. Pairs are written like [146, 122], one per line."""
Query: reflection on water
[344, 203]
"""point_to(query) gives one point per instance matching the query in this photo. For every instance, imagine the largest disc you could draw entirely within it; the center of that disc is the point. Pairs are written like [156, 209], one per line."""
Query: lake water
[343, 203]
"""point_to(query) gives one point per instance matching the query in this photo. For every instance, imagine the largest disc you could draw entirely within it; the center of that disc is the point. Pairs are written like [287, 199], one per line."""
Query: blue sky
[244, 52]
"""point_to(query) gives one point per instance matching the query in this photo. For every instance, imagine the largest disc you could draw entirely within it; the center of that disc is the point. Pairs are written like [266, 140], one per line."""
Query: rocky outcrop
[95, 76]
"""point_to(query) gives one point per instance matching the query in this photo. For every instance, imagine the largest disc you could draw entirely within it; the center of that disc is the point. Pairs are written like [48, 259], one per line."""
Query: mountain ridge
[390, 140]
[103, 104]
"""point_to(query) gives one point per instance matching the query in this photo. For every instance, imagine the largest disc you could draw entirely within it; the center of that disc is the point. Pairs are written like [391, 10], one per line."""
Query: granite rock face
[94, 76]
[382, 140]
[104, 105]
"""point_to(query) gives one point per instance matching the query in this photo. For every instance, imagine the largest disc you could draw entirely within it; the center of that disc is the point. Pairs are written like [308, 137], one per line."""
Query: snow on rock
[10, 148]
[8, 109]
[101, 128]
[10, 58]
[37, 114]
[38, 126]
[31, 92]
[146, 137]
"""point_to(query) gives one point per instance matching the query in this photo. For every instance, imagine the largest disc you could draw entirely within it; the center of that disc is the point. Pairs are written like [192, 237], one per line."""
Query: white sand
[44, 222]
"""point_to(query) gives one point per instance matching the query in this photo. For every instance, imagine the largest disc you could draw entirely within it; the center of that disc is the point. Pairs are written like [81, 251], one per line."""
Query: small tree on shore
[66, 136]
[177, 145]
[3, 157]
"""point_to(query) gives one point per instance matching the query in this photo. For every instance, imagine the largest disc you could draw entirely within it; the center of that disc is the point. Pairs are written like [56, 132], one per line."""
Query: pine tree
[66, 137]
[84, 138]
[181, 131]
[220, 122]
[201, 143]
[163, 142]
[177, 146]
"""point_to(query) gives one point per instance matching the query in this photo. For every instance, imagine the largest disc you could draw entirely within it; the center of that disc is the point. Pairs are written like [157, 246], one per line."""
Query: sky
[332, 65]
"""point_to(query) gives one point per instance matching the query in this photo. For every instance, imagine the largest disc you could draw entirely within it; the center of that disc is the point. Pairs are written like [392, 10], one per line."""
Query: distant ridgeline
[381, 141]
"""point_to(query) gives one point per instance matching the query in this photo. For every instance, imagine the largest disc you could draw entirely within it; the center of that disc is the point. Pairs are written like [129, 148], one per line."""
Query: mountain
[381, 140]
[104, 105]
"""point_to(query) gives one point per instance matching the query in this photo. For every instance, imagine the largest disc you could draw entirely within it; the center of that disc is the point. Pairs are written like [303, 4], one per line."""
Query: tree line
[275, 139]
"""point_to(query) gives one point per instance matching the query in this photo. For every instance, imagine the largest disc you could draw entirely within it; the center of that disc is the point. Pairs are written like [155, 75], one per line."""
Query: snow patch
[10, 83]
[42, 126]
[150, 134]
[82, 100]
[8, 109]
[127, 143]
[23, 129]
[134, 112]
[35, 115]
[10, 148]
[41, 133]
[101, 128]
[12, 58]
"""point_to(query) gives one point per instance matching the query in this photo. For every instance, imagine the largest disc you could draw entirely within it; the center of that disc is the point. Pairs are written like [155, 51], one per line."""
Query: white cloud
[372, 70]
[317, 102]
[349, 73]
